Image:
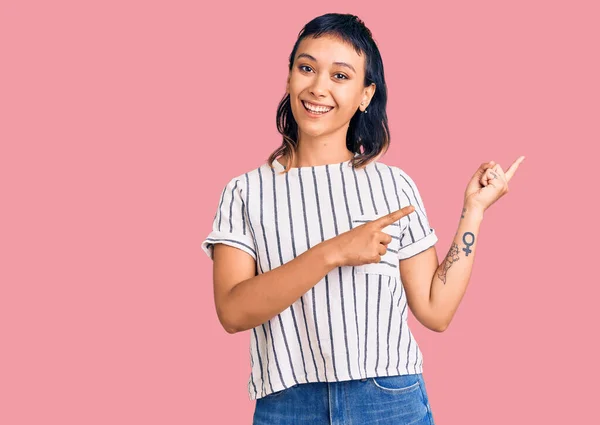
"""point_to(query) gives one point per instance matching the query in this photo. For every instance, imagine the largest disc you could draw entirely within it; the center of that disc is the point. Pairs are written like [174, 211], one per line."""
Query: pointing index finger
[513, 168]
[394, 216]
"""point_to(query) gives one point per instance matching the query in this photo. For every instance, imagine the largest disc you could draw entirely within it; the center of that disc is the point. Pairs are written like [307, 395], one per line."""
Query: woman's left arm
[434, 301]
[449, 286]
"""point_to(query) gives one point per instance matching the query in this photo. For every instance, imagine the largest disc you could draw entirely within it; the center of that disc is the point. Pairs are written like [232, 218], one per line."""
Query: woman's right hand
[366, 243]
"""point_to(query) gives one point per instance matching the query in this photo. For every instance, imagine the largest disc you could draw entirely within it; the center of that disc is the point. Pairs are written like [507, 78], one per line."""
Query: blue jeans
[397, 400]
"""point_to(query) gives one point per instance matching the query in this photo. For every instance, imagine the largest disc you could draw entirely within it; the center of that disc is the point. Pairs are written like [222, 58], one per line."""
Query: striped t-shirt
[353, 323]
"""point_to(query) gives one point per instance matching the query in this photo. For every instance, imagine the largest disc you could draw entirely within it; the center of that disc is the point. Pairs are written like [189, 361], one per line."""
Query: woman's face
[319, 76]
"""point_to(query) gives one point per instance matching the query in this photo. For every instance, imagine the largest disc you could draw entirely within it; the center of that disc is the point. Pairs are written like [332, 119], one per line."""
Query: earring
[362, 103]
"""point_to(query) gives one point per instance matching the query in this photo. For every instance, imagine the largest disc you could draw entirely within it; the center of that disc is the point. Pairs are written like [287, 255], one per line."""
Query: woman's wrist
[330, 253]
[473, 209]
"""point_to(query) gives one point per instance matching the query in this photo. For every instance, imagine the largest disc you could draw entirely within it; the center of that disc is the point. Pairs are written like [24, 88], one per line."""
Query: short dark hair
[369, 130]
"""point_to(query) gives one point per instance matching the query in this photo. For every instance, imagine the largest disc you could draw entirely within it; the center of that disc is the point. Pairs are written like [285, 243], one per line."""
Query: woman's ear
[370, 92]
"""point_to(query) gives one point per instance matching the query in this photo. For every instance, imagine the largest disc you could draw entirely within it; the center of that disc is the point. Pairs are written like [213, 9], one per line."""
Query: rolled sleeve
[418, 235]
[230, 224]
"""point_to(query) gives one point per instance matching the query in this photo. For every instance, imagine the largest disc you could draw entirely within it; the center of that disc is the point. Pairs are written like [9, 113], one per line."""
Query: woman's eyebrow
[312, 58]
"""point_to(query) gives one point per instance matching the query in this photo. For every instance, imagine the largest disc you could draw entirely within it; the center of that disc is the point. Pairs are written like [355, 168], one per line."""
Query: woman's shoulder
[399, 173]
[250, 177]
[396, 170]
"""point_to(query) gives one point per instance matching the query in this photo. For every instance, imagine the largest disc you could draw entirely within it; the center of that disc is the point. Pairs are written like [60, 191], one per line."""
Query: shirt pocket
[388, 265]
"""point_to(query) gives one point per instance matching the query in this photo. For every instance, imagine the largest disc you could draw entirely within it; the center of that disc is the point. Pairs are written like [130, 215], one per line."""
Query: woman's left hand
[489, 183]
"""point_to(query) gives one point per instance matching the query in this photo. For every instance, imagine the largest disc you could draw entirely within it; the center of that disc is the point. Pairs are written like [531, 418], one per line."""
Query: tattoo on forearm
[468, 249]
[452, 257]
[463, 213]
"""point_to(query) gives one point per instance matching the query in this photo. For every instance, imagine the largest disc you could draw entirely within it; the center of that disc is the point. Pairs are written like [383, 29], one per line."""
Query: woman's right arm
[257, 299]
[244, 301]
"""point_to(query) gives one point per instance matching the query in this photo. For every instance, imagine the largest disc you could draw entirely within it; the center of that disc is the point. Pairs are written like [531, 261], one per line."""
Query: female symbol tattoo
[468, 249]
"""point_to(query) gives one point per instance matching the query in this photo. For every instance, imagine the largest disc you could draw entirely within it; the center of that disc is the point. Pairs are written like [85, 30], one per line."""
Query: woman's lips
[313, 114]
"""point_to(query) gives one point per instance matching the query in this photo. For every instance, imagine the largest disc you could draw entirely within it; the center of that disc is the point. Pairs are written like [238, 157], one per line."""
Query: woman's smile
[315, 111]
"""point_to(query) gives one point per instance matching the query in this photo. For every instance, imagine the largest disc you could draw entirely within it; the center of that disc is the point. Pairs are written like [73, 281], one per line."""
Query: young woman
[319, 251]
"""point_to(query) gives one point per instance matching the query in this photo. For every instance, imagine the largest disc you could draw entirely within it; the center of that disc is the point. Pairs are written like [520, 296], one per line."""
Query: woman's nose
[319, 86]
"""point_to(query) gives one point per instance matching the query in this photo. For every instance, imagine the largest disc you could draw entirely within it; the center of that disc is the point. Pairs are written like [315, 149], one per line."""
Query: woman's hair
[369, 130]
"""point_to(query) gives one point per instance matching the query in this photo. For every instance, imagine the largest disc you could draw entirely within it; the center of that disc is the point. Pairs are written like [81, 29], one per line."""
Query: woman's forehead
[327, 50]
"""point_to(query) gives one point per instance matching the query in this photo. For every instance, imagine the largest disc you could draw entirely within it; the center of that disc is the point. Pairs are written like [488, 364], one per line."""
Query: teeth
[316, 108]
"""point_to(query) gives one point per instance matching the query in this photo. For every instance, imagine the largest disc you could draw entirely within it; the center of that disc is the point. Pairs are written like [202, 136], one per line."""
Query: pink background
[121, 122]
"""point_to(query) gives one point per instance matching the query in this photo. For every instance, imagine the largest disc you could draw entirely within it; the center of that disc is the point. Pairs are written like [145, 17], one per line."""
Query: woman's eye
[301, 67]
